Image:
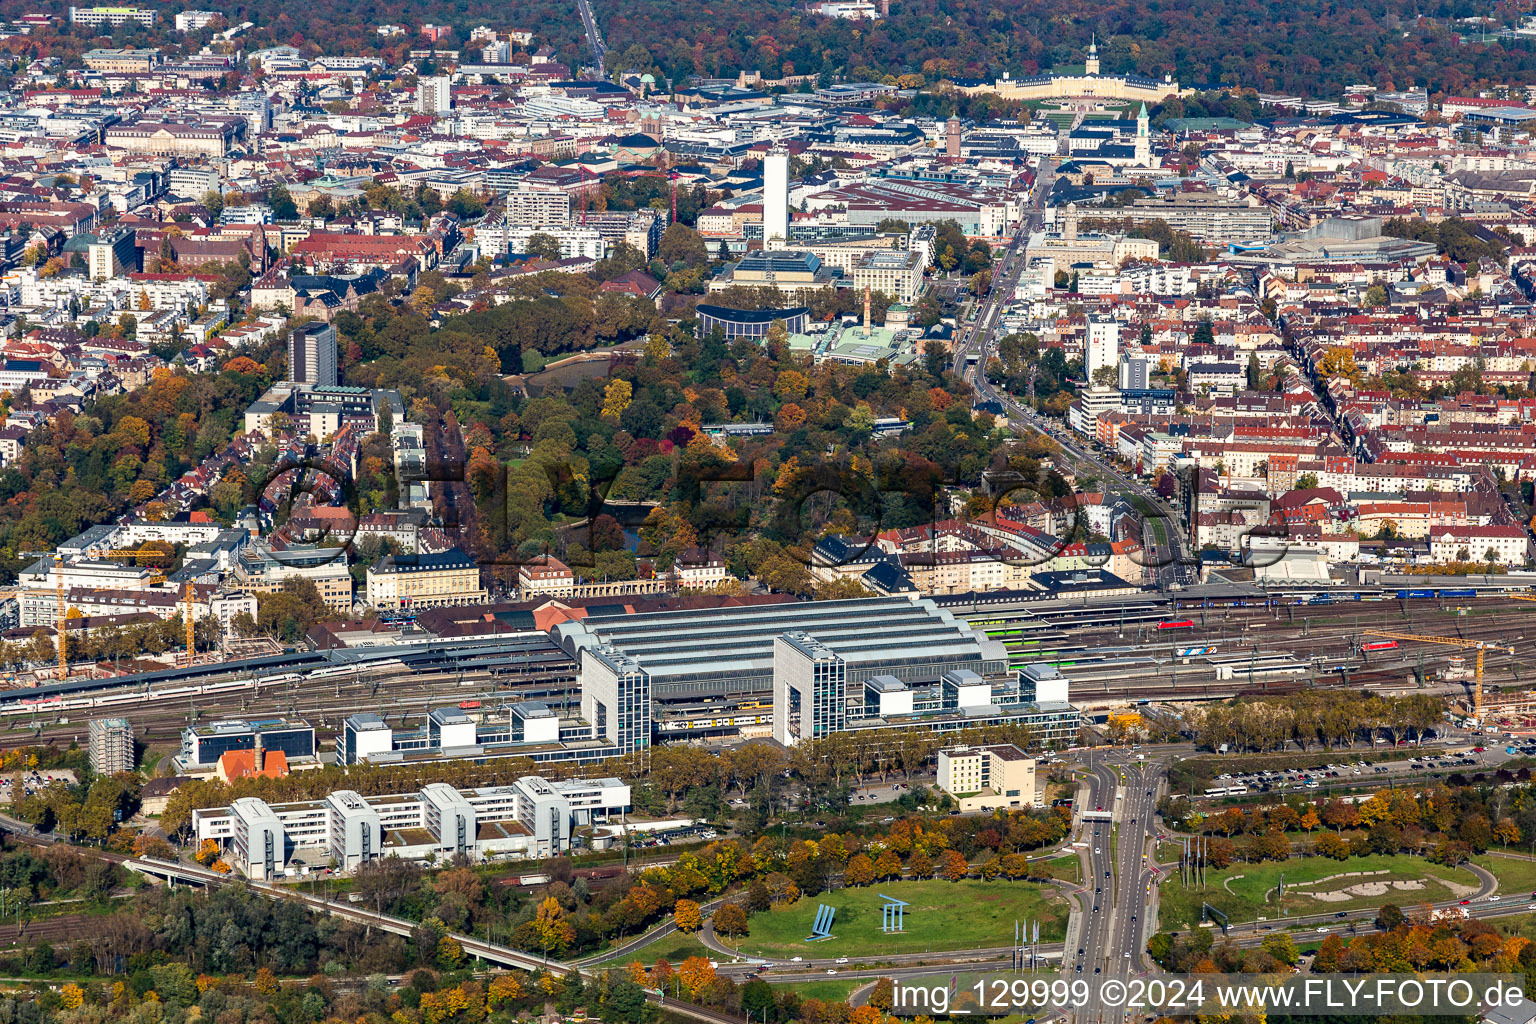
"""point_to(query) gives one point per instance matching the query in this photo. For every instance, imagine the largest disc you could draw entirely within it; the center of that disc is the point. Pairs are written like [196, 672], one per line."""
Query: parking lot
[32, 781]
[1343, 773]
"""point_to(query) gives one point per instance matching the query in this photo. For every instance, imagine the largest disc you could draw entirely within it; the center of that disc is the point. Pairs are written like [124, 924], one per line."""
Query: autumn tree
[695, 974]
[953, 866]
[731, 919]
[686, 916]
[859, 871]
[555, 933]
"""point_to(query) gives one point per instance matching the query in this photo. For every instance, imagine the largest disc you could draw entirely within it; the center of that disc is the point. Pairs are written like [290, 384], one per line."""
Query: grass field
[833, 990]
[674, 947]
[1068, 868]
[1249, 889]
[940, 916]
[1516, 876]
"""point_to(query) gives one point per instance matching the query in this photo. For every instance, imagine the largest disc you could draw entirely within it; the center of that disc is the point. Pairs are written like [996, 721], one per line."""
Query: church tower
[1092, 63]
[1143, 139]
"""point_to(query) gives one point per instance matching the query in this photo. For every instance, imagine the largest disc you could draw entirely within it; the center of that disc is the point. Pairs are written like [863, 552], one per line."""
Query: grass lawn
[1250, 893]
[833, 990]
[1068, 868]
[1516, 876]
[941, 915]
[674, 947]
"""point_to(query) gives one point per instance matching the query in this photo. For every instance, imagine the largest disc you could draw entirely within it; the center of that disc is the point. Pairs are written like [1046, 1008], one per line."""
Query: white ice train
[28, 706]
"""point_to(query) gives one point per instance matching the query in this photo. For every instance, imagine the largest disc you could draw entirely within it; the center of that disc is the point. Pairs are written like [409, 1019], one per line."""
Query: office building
[988, 778]
[261, 569]
[312, 354]
[810, 689]
[356, 834]
[1042, 683]
[775, 197]
[203, 743]
[531, 818]
[111, 16]
[1103, 346]
[112, 254]
[363, 736]
[424, 581]
[616, 698]
[897, 273]
[526, 729]
[1067, 246]
[434, 95]
[193, 182]
[258, 846]
[1135, 373]
[111, 746]
[121, 61]
[191, 21]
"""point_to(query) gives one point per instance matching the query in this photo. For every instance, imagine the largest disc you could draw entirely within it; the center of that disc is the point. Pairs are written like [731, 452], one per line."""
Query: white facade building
[531, 818]
[775, 197]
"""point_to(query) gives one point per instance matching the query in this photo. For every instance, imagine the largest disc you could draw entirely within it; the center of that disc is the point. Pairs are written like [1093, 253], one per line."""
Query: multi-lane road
[1116, 897]
[594, 36]
[977, 339]
[1161, 540]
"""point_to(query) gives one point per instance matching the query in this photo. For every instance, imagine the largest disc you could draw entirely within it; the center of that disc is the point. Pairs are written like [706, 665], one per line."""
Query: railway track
[1321, 637]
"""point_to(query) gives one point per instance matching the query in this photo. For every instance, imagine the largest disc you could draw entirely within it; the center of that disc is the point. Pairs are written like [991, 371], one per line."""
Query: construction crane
[61, 606]
[191, 629]
[62, 610]
[1480, 646]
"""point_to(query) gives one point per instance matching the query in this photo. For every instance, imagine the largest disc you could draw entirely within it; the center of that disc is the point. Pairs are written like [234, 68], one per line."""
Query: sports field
[940, 916]
[1313, 885]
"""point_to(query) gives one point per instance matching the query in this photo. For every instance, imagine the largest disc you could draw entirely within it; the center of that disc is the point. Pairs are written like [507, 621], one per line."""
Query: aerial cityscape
[475, 478]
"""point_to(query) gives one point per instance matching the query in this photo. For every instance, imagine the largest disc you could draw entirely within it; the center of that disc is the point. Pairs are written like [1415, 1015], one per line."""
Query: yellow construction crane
[62, 611]
[1455, 641]
[156, 577]
[187, 615]
[61, 605]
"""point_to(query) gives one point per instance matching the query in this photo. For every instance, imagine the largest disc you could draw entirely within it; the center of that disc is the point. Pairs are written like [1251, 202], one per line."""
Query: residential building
[112, 254]
[312, 354]
[111, 745]
[434, 95]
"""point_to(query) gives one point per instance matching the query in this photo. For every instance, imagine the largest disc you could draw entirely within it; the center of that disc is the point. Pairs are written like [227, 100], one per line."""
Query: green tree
[682, 244]
[283, 206]
[543, 245]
